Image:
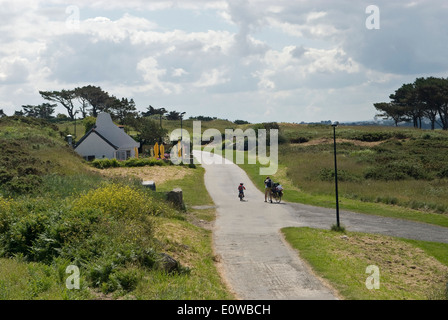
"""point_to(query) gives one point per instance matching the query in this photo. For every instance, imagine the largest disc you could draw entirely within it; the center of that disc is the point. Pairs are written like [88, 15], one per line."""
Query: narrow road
[323, 218]
[257, 262]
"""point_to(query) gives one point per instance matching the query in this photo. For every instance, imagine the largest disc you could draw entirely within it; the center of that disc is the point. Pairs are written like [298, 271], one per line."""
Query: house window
[123, 154]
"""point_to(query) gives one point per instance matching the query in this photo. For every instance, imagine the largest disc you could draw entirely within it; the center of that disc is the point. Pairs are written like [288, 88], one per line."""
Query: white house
[106, 140]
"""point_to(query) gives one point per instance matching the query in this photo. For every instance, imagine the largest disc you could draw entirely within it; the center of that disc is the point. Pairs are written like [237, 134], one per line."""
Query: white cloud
[14, 70]
[212, 78]
[179, 72]
[152, 75]
[302, 56]
[315, 16]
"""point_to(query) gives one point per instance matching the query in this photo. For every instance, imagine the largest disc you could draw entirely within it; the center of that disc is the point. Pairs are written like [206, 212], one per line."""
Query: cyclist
[241, 189]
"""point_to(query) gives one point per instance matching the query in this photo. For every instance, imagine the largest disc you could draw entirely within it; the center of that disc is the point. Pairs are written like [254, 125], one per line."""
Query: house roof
[93, 131]
[110, 133]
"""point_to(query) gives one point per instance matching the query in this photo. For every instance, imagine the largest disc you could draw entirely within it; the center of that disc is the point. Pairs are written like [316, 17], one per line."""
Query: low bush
[343, 175]
[105, 163]
[120, 200]
[298, 140]
[133, 162]
[108, 231]
[373, 136]
[23, 184]
[400, 135]
[397, 170]
[443, 173]
[337, 228]
[387, 200]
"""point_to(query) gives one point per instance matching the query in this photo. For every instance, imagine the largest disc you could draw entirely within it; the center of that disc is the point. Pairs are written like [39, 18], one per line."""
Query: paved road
[256, 261]
[323, 218]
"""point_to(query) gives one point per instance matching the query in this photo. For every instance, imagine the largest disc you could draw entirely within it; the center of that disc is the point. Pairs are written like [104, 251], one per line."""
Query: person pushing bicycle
[267, 189]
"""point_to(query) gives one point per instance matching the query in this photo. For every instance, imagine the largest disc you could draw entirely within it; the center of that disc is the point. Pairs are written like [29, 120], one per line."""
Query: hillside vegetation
[56, 211]
[396, 166]
[32, 149]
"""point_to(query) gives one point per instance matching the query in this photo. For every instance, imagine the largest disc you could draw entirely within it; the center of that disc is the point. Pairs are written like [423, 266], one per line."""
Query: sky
[253, 60]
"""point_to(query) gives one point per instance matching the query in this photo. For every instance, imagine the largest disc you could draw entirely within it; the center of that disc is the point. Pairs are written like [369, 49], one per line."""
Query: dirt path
[157, 174]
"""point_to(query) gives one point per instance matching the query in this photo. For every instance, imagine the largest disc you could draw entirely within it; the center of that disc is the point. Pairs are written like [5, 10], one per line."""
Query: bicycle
[277, 192]
[277, 195]
[241, 189]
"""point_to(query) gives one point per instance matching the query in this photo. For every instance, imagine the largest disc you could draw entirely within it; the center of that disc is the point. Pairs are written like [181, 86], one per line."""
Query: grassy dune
[56, 211]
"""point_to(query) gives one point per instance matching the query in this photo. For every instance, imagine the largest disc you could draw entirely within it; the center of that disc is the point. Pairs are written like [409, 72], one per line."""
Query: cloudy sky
[256, 60]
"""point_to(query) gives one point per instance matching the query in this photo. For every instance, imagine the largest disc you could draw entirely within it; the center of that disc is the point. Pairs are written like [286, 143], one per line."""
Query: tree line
[89, 101]
[425, 98]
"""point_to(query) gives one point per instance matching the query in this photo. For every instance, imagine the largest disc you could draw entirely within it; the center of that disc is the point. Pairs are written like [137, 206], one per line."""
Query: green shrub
[108, 271]
[120, 200]
[298, 140]
[132, 162]
[39, 229]
[57, 186]
[23, 184]
[337, 228]
[397, 170]
[107, 232]
[125, 279]
[400, 135]
[5, 176]
[373, 136]
[105, 163]
[387, 200]
[89, 123]
[343, 175]
[443, 173]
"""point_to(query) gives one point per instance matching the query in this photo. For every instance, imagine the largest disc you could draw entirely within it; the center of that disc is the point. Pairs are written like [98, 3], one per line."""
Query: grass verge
[114, 255]
[415, 270]
[190, 241]
[293, 194]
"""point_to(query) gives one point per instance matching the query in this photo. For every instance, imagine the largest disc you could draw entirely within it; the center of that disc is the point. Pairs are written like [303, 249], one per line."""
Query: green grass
[218, 124]
[77, 130]
[115, 270]
[407, 269]
[193, 187]
[412, 199]
[191, 245]
[435, 249]
[32, 149]
[204, 281]
[292, 193]
[50, 182]
[394, 166]
[51, 224]
[36, 281]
